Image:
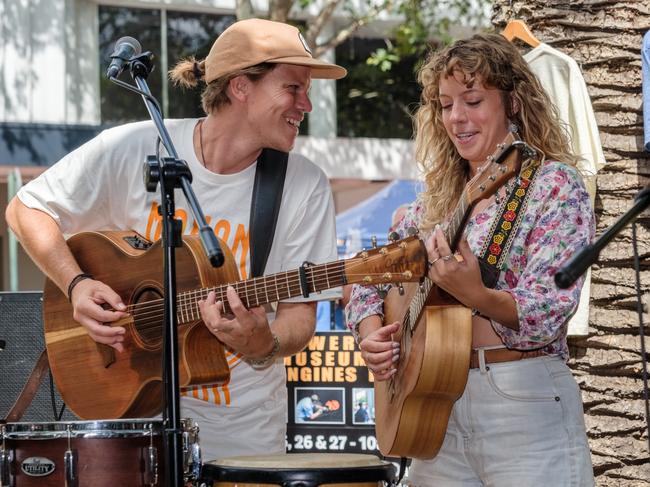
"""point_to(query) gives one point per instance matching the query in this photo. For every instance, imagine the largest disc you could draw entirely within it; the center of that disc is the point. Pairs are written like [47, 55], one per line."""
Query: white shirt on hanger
[562, 79]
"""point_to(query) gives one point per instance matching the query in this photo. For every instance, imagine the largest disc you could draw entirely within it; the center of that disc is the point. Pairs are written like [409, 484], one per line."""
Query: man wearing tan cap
[257, 78]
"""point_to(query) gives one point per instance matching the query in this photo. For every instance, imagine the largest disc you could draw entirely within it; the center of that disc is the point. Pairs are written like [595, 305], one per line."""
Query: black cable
[644, 362]
[58, 418]
[57, 415]
[52, 398]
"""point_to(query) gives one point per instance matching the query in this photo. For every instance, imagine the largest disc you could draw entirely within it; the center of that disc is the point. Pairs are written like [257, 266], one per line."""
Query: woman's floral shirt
[558, 222]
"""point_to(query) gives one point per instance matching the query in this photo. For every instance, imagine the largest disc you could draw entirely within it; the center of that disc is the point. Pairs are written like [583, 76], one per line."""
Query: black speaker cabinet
[21, 340]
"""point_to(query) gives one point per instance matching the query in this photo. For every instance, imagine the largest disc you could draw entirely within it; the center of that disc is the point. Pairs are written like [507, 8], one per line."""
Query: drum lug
[151, 466]
[6, 479]
[70, 462]
[197, 462]
[192, 460]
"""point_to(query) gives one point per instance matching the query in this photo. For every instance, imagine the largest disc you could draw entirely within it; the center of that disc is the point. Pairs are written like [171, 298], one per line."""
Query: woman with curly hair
[519, 420]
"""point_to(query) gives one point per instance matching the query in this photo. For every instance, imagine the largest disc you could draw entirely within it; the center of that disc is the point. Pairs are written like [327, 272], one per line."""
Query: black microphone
[125, 49]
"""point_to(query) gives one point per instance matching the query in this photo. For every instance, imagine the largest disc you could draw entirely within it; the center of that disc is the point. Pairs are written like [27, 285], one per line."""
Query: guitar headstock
[504, 163]
[400, 261]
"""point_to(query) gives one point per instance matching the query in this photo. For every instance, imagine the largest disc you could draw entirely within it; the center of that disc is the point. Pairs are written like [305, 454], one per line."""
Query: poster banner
[331, 397]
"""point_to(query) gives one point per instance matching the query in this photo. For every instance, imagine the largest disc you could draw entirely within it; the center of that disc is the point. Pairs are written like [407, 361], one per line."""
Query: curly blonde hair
[495, 62]
[188, 73]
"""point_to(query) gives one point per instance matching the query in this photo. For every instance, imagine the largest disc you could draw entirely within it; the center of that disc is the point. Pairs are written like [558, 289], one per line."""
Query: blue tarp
[356, 226]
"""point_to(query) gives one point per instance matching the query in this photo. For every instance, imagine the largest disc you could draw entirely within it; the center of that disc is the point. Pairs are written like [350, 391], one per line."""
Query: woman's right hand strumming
[377, 347]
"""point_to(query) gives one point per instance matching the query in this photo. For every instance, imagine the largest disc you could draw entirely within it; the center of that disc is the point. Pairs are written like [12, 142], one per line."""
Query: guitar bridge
[107, 353]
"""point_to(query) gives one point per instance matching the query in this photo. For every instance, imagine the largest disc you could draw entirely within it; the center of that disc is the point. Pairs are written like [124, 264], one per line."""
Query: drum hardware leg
[70, 462]
[151, 462]
[6, 458]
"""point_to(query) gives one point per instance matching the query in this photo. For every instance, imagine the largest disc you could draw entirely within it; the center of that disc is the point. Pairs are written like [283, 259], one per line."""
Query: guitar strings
[249, 291]
[140, 309]
[331, 269]
[152, 311]
[322, 273]
[291, 278]
[147, 315]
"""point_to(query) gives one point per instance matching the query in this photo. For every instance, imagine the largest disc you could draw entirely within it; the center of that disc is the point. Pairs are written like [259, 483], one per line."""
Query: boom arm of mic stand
[581, 261]
[208, 238]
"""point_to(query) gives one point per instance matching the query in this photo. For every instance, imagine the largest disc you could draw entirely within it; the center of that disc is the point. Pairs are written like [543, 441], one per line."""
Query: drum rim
[372, 473]
[122, 428]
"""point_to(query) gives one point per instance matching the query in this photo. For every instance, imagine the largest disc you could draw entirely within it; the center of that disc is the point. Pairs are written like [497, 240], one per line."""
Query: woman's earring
[513, 128]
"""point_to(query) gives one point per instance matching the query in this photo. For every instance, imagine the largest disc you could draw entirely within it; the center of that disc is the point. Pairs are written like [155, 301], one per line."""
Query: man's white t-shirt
[100, 186]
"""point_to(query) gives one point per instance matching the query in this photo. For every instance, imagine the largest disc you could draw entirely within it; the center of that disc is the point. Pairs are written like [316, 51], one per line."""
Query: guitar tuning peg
[412, 231]
[400, 288]
[373, 241]
[393, 236]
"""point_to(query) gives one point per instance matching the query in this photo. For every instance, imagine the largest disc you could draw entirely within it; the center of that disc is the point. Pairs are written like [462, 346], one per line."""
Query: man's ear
[239, 87]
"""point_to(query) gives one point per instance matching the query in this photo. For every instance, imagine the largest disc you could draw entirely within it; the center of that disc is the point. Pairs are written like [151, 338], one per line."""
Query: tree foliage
[420, 21]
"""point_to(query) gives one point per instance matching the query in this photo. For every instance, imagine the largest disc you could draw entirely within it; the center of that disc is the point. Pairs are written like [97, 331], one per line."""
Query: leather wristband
[261, 363]
[76, 280]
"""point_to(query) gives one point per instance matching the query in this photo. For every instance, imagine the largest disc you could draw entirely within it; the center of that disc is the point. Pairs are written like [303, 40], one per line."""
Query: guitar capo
[302, 271]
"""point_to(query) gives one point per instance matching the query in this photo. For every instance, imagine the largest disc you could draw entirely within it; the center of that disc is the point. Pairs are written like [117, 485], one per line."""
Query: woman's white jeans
[517, 424]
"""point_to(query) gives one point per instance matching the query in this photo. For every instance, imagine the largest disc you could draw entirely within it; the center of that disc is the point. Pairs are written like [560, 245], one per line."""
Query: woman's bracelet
[76, 280]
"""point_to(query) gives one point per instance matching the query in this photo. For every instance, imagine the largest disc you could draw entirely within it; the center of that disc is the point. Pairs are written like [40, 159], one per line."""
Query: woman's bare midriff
[483, 334]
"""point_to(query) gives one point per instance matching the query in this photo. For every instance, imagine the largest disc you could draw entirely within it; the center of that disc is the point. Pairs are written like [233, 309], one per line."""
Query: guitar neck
[266, 289]
[453, 234]
[457, 221]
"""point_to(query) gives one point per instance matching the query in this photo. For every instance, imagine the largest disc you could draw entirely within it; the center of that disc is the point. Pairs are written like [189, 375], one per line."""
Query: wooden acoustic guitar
[96, 382]
[413, 406]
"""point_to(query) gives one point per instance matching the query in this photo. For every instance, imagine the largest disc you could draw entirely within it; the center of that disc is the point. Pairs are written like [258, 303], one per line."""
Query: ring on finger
[431, 262]
[447, 258]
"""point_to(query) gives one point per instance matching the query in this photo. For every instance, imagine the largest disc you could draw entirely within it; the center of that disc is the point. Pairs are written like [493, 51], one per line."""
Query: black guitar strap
[265, 206]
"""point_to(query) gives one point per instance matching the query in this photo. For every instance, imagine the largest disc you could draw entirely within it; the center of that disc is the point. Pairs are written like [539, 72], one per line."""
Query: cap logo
[304, 42]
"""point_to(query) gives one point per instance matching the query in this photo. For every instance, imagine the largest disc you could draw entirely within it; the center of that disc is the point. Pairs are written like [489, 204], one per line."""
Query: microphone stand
[170, 172]
[580, 262]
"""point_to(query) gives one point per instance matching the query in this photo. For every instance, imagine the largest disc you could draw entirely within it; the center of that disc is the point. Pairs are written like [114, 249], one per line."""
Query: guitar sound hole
[148, 317]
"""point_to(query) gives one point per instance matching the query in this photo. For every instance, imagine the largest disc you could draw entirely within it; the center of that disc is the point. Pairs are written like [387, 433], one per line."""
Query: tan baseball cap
[255, 41]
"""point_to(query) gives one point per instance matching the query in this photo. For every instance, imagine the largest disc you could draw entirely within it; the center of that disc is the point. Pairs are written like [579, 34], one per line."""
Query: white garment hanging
[562, 79]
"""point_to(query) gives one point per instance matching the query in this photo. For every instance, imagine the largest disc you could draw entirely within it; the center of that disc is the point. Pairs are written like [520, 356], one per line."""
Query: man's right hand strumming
[87, 298]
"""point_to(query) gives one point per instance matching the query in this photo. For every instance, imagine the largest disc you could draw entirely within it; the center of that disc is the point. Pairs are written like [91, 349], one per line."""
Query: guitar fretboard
[265, 289]
[457, 221]
[452, 235]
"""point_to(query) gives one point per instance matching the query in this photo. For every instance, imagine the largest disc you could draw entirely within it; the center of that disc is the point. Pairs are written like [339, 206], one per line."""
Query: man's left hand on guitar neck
[247, 332]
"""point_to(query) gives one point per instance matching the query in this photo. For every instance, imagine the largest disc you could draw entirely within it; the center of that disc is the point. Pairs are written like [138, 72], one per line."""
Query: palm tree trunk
[604, 37]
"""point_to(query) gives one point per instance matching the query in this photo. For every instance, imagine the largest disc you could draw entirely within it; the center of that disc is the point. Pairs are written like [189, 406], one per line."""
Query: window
[117, 104]
[187, 34]
[191, 34]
